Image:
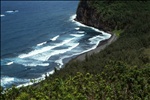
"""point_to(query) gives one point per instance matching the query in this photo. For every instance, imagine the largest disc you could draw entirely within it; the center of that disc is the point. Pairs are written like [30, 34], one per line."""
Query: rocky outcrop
[89, 16]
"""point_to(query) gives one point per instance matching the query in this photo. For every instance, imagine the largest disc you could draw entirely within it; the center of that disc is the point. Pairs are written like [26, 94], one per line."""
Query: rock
[89, 16]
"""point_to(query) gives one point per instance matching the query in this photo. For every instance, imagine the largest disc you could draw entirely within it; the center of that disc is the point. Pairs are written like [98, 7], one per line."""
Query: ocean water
[37, 36]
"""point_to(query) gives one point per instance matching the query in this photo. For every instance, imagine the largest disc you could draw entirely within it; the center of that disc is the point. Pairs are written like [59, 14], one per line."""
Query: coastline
[81, 57]
[101, 46]
[103, 54]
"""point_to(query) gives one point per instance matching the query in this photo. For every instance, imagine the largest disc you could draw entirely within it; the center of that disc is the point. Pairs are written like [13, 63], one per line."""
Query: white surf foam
[2, 15]
[38, 57]
[10, 80]
[77, 28]
[26, 62]
[49, 54]
[6, 80]
[95, 29]
[77, 35]
[54, 38]
[106, 35]
[38, 54]
[44, 49]
[33, 64]
[9, 11]
[37, 80]
[60, 61]
[80, 32]
[12, 11]
[10, 63]
[41, 43]
[77, 23]
[96, 39]
[73, 17]
[43, 54]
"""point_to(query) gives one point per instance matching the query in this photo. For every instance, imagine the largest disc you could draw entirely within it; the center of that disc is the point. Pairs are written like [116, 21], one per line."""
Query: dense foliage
[121, 71]
[118, 81]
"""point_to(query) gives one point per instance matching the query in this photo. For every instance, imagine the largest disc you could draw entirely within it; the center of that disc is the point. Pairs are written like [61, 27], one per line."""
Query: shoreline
[101, 46]
[81, 57]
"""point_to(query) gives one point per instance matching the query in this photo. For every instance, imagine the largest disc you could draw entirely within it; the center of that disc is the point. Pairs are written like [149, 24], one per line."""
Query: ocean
[38, 36]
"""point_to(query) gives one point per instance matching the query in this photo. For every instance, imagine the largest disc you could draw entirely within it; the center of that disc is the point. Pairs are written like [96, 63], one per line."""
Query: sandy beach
[102, 45]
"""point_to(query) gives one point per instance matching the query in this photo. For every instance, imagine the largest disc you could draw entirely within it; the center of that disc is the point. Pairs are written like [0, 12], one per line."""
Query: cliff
[89, 15]
[110, 15]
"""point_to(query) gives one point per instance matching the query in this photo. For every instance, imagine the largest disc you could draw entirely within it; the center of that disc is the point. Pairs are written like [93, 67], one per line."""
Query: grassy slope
[121, 71]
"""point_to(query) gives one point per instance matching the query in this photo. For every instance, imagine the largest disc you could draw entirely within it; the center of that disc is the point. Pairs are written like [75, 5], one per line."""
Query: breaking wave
[10, 63]
[41, 43]
[82, 25]
[80, 32]
[77, 28]
[6, 81]
[2, 15]
[77, 35]
[11, 11]
[59, 48]
[44, 49]
[55, 38]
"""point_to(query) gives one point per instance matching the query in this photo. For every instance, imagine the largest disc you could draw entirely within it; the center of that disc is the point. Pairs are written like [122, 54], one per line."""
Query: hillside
[120, 72]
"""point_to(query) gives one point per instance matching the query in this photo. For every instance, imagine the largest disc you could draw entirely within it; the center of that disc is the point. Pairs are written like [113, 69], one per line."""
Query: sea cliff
[87, 14]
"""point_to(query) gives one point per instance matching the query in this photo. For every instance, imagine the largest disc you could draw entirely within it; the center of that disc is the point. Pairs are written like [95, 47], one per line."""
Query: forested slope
[119, 72]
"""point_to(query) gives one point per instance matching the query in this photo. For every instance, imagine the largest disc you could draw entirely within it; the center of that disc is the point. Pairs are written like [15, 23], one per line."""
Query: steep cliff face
[89, 16]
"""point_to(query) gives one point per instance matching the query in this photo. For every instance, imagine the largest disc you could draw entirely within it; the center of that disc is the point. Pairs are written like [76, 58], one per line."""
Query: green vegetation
[120, 14]
[117, 32]
[118, 81]
[120, 72]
